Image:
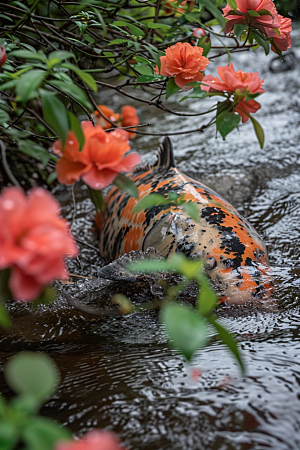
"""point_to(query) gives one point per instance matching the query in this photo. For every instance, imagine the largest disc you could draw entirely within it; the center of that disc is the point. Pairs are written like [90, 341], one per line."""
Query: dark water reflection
[119, 373]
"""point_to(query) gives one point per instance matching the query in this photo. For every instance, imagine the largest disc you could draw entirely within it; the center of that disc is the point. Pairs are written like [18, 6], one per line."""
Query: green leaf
[42, 434]
[51, 178]
[264, 12]
[30, 148]
[171, 88]
[258, 131]
[214, 11]
[192, 210]
[118, 41]
[232, 4]
[86, 77]
[4, 117]
[147, 78]
[226, 122]
[239, 29]
[197, 92]
[73, 91]
[56, 57]
[56, 115]
[261, 41]
[227, 339]
[207, 299]
[143, 70]
[253, 13]
[149, 201]
[156, 26]
[126, 184]
[28, 83]
[186, 329]
[5, 293]
[75, 126]
[33, 374]
[133, 29]
[8, 435]
[5, 321]
[28, 55]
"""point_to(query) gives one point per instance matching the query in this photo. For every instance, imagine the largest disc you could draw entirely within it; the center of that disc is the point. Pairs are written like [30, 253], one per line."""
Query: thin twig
[6, 166]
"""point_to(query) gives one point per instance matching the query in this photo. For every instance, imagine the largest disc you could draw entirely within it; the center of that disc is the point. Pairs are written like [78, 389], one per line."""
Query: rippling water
[119, 373]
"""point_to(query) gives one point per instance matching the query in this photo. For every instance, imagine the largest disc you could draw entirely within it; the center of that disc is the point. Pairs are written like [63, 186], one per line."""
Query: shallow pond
[119, 373]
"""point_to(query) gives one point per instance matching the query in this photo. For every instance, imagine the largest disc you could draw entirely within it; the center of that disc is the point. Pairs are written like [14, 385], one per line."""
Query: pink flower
[184, 62]
[129, 118]
[199, 33]
[283, 42]
[34, 241]
[3, 57]
[238, 83]
[94, 440]
[262, 22]
[99, 161]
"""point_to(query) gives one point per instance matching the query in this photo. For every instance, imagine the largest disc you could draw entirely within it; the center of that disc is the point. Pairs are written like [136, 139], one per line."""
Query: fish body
[235, 258]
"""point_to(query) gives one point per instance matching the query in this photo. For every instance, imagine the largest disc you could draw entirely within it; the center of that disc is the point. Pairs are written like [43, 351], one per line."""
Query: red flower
[238, 83]
[129, 118]
[3, 57]
[94, 440]
[169, 8]
[100, 160]
[283, 42]
[184, 62]
[262, 22]
[34, 241]
[99, 120]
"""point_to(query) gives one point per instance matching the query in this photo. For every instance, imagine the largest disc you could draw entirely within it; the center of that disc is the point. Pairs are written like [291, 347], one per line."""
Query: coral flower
[107, 112]
[169, 8]
[238, 83]
[283, 42]
[99, 161]
[184, 62]
[262, 22]
[34, 241]
[94, 440]
[129, 118]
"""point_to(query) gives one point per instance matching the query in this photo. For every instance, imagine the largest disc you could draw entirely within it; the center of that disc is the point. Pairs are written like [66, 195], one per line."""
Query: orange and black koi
[235, 257]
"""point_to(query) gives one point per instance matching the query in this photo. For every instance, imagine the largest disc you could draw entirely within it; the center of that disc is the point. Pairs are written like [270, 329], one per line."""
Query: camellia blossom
[3, 56]
[199, 33]
[170, 8]
[238, 83]
[129, 118]
[34, 241]
[183, 62]
[262, 22]
[99, 161]
[99, 120]
[94, 440]
[284, 41]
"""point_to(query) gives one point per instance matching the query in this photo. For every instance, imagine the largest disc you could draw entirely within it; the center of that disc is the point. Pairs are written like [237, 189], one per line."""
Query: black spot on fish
[213, 215]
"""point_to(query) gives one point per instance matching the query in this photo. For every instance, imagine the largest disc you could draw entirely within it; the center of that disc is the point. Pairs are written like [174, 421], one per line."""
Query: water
[119, 373]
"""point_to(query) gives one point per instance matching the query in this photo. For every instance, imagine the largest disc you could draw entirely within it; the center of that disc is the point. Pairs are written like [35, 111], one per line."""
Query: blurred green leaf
[143, 70]
[227, 339]
[56, 115]
[253, 13]
[75, 126]
[126, 184]
[51, 178]
[258, 131]
[149, 201]
[42, 434]
[226, 122]
[261, 41]
[74, 91]
[33, 374]
[239, 29]
[156, 26]
[207, 299]
[27, 54]
[171, 88]
[5, 321]
[28, 83]
[192, 210]
[30, 148]
[86, 77]
[8, 435]
[118, 41]
[4, 117]
[264, 12]
[56, 57]
[214, 11]
[186, 329]
[232, 4]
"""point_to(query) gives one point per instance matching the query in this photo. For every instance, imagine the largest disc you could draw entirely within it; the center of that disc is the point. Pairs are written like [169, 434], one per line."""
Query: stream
[118, 372]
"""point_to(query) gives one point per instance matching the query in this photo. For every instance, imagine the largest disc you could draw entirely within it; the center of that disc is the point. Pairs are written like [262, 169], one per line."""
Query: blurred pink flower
[183, 62]
[94, 440]
[262, 22]
[34, 241]
[199, 33]
[283, 42]
[3, 57]
[238, 83]
[99, 161]
[129, 118]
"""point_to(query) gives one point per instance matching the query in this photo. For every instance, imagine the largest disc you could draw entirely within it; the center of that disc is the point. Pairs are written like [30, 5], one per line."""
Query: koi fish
[235, 258]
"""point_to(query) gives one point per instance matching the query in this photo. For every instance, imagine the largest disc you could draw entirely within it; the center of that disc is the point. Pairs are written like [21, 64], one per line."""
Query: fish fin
[165, 158]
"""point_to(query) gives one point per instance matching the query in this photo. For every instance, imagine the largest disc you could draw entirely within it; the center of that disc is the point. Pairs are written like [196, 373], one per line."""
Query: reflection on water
[119, 373]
